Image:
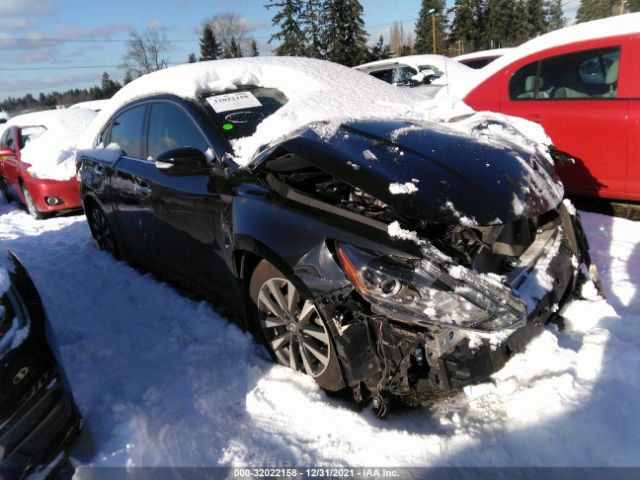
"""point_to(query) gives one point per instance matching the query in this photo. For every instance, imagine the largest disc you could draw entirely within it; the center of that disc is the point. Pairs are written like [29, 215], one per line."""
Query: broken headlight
[427, 291]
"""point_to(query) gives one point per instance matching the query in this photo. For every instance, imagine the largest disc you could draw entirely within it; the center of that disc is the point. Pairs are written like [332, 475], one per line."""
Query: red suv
[582, 84]
[36, 162]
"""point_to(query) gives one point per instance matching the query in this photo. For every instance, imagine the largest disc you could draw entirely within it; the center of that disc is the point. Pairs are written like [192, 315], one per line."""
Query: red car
[28, 160]
[582, 83]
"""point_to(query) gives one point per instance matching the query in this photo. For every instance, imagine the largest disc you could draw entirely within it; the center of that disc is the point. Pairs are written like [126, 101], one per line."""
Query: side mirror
[6, 152]
[182, 161]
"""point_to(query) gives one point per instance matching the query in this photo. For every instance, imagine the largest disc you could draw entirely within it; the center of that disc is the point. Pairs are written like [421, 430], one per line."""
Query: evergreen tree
[593, 10]
[108, 87]
[292, 38]
[312, 20]
[128, 78]
[466, 26]
[554, 15]
[210, 49]
[254, 49]
[192, 58]
[345, 35]
[536, 18]
[431, 12]
[233, 50]
[633, 6]
[380, 51]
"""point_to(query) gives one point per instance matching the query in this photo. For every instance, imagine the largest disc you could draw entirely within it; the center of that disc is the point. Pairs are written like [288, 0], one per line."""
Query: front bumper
[386, 355]
[67, 192]
[38, 432]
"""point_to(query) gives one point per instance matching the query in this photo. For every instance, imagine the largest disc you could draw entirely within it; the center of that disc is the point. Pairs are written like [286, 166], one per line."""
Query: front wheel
[292, 327]
[31, 205]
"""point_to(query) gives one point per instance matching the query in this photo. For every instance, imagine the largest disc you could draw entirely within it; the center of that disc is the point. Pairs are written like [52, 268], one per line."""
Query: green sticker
[227, 126]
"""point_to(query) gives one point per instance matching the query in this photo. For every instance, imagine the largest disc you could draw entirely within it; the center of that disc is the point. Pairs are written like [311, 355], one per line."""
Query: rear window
[238, 113]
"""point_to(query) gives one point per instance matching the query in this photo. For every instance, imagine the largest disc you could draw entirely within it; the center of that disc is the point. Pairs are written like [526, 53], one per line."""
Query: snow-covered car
[481, 58]
[425, 73]
[372, 238]
[38, 415]
[37, 159]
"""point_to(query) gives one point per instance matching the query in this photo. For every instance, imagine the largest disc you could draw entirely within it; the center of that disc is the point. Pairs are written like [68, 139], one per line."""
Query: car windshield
[30, 133]
[238, 113]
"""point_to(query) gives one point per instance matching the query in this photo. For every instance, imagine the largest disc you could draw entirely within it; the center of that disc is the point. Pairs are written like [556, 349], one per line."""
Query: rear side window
[588, 74]
[126, 131]
[170, 127]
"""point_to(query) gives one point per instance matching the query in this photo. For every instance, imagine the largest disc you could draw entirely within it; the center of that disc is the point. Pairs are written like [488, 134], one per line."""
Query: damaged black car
[392, 256]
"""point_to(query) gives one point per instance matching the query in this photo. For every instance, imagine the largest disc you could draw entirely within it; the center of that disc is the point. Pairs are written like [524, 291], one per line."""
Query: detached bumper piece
[39, 432]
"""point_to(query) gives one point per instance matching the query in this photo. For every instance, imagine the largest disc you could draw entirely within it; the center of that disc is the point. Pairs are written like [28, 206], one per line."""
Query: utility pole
[432, 12]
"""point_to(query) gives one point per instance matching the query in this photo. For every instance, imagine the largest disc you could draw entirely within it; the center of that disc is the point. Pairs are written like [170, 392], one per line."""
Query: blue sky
[48, 45]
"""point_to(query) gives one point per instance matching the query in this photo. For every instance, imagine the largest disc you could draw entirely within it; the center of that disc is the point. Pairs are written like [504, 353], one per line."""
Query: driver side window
[170, 127]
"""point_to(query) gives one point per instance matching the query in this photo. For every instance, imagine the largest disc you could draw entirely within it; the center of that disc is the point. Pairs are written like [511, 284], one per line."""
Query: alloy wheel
[102, 232]
[31, 206]
[293, 328]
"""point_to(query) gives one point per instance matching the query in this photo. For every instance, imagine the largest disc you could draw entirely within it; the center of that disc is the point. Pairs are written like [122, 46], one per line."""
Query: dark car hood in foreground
[460, 179]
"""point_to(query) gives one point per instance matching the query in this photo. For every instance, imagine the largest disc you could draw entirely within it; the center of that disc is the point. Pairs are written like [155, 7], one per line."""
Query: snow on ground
[164, 380]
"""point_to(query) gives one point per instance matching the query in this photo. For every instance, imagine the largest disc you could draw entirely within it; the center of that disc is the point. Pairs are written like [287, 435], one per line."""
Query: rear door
[130, 192]
[633, 178]
[579, 94]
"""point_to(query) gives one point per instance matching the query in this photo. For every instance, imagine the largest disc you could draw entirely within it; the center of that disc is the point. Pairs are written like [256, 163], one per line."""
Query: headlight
[431, 292]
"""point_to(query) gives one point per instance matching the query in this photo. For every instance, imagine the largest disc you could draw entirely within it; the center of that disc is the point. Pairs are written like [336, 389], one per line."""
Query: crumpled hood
[434, 173]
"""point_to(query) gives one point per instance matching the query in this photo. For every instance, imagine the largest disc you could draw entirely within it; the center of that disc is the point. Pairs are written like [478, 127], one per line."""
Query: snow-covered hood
[432, 172]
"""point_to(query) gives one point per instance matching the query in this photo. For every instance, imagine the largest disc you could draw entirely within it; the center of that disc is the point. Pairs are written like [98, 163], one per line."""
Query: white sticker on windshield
[233, 101]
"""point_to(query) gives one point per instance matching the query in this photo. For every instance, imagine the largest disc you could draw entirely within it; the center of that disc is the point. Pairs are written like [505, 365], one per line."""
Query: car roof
[317, 91]
[605, 28]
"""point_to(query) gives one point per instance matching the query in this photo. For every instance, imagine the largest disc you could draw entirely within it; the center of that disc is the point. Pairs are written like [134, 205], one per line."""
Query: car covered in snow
[426, 73]
[582, 84]
[38, 415]
[481, 58]
[371, 237]
[37, 160]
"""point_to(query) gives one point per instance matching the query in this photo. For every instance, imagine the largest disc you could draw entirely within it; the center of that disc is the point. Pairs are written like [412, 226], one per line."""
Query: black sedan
[38, 416]
[386, 255]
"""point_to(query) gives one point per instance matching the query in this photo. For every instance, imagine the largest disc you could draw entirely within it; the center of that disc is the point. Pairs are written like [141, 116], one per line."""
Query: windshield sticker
[233, 101]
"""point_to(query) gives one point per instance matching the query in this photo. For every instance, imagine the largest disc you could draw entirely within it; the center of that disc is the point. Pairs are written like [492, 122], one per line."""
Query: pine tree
[633, 6]
[254, 49]
[593, 10]
[466, 25]
[128, 78]
[554, 15]
[210, 49]
[192, 58]
[291, 37]
[233, 50]
[312, 22]
[431, 12]
[108, 87]
[380, 51]
[345, 35]
[536, 18]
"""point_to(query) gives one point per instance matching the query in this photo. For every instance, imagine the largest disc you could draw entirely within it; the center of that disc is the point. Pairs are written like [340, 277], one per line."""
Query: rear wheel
[101, 231]
[31, 205]
[292, 327]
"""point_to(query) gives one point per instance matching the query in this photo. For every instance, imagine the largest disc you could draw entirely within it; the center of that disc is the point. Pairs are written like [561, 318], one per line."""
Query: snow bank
[318, 92]
[52, 153]
[164, 380]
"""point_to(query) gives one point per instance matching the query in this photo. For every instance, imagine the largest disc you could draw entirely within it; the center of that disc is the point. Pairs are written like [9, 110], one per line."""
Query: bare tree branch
[145, 52]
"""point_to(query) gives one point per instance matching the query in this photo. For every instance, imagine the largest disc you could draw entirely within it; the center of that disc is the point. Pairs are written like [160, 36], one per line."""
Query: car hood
[432, 172]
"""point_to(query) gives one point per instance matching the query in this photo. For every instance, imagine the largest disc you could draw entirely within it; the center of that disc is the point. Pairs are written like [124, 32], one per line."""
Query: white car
[427, 73]
[481, 58]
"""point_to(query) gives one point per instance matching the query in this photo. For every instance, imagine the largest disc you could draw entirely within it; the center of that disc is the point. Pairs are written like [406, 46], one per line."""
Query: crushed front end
[455, 316]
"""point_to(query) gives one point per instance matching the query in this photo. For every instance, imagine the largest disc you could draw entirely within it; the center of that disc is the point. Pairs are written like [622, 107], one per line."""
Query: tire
[292, 328]
[101, 231]
[4, 188]
[31, 205]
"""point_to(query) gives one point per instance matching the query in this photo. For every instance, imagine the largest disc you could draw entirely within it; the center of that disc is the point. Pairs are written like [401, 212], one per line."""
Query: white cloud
[23, 8]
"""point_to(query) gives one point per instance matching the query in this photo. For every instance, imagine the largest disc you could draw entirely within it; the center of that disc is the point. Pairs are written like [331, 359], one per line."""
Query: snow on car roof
[51, 154]
[317, 91]
[447, 65]
[495, 52]
[606, 27]
[95, 105]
